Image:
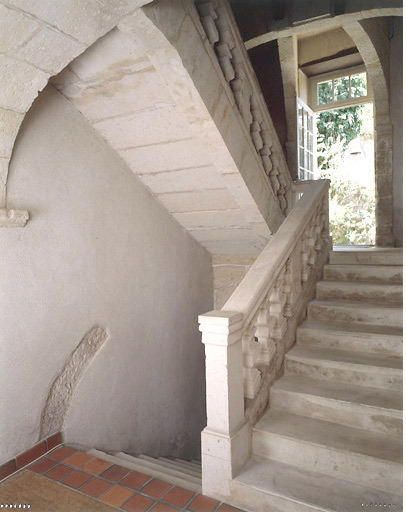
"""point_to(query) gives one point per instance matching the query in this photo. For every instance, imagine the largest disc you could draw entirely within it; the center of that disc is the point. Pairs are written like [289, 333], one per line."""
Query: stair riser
[359, 342]
[348, 466]
[344, 413]
[327, 370]
[366, 258]
[359, 292]
[364, 273]
[390, 317]
[252, 499]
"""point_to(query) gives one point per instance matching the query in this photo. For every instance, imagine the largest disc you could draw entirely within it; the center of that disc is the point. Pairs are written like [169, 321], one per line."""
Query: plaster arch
[369, 37]
[38, 39]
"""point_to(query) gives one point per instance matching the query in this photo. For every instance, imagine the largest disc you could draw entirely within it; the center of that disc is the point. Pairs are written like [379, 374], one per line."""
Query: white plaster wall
[99, 249]
[396, 111]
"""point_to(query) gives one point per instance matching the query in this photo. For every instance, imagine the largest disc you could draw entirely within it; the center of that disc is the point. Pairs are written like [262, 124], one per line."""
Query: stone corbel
[13, 218]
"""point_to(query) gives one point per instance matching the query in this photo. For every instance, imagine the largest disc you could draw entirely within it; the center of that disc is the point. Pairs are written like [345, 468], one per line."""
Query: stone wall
[98, 249]
[396, 111]
[228, 272]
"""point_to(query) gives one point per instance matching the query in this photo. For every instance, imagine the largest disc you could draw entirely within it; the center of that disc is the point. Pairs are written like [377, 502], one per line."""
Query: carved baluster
[225, 45]
[251, 349]
[304, 258]
[318, 228]
[264, 323]
[207, 16]
[277, 300]
[287, 288]
[255, 127]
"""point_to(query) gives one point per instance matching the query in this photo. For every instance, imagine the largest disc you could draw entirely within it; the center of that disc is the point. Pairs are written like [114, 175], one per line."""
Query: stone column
[226, 441]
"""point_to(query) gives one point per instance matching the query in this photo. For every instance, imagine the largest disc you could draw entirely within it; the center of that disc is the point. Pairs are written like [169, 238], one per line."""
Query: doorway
[345, 155]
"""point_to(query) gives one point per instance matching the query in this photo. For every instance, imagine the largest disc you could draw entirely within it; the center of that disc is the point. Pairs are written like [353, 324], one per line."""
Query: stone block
[198, 200]
[225, 275]
[182, 180]
[248, 247]
[119, 96]
[10, 122]
[21, 83]
[236, 235]
[221, 296]
[64, 78]
[184, 154]
[15, 28]
[115, 53]
[85, 20]
[152, 126]
[214, 219]
[49, 50]
[233, 259]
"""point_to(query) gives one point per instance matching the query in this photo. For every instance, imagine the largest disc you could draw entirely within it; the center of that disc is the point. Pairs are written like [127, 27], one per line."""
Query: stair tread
[346, 356]
[357, 304]
[353, 328]
[341, 391]
[324, 492]
[331, 435]
[357, 284]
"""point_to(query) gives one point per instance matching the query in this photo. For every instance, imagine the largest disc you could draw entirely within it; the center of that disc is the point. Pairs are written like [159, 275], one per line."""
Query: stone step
[167, 463]
[351, 454]
[156, 470]
[358, 337]
[370, 256]
[370, 273]
[192, 462]
[360, 368]
[266, 485]
[377, 313]
[370, 409]
[359, 291]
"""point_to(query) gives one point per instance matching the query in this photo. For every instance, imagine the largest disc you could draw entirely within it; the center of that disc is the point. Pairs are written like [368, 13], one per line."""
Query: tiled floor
[118, 486]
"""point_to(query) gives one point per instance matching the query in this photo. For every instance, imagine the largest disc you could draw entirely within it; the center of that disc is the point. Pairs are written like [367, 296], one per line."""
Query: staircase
[185, 474]
[332, 437]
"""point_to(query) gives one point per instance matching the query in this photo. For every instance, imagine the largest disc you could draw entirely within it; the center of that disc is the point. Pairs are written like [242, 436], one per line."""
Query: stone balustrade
[222, 32]
[247, 339]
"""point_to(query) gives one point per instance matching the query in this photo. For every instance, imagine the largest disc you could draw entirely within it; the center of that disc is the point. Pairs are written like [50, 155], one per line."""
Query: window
[339, 88]
[305, 141]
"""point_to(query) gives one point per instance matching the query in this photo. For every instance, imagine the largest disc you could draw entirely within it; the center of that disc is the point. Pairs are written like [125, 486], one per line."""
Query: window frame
[340, 73]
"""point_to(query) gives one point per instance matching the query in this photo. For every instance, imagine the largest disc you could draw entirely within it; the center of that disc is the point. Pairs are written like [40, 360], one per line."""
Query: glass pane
[300, 136]
[324, 92]
[300, 116]
[311, 141]
[305, 120]
[310, 123]
[311, 162]
[306, 163]
[301, 174]
[341, 88]
[359, 85]
[301, 157]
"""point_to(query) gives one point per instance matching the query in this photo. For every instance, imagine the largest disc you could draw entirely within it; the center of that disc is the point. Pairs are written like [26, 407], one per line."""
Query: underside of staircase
[331, 439]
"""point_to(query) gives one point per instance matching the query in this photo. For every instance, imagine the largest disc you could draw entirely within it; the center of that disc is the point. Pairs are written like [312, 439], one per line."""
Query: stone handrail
[222, 32]
[246, 341]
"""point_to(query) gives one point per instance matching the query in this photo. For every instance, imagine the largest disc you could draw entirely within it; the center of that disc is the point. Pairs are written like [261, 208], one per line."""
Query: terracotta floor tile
[42, 465]
[135, 480]
[203, 504]
[7, 469]
[78, 459]
[61, 453]
[54, 440]
[115, 473]
[229, 508]
[116, 496]
[178, 496]
[137, 503]
[76, 479]
[95, 487]
[161, 507]
[30, 455]
[156, 488]
[58, 472]
[96, 466]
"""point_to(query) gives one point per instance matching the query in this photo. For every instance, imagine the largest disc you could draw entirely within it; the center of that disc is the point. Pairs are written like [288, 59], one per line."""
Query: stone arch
[374, 50]
[39, 39]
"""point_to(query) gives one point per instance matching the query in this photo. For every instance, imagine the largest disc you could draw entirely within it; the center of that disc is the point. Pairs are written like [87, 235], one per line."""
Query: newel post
[225, 440]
